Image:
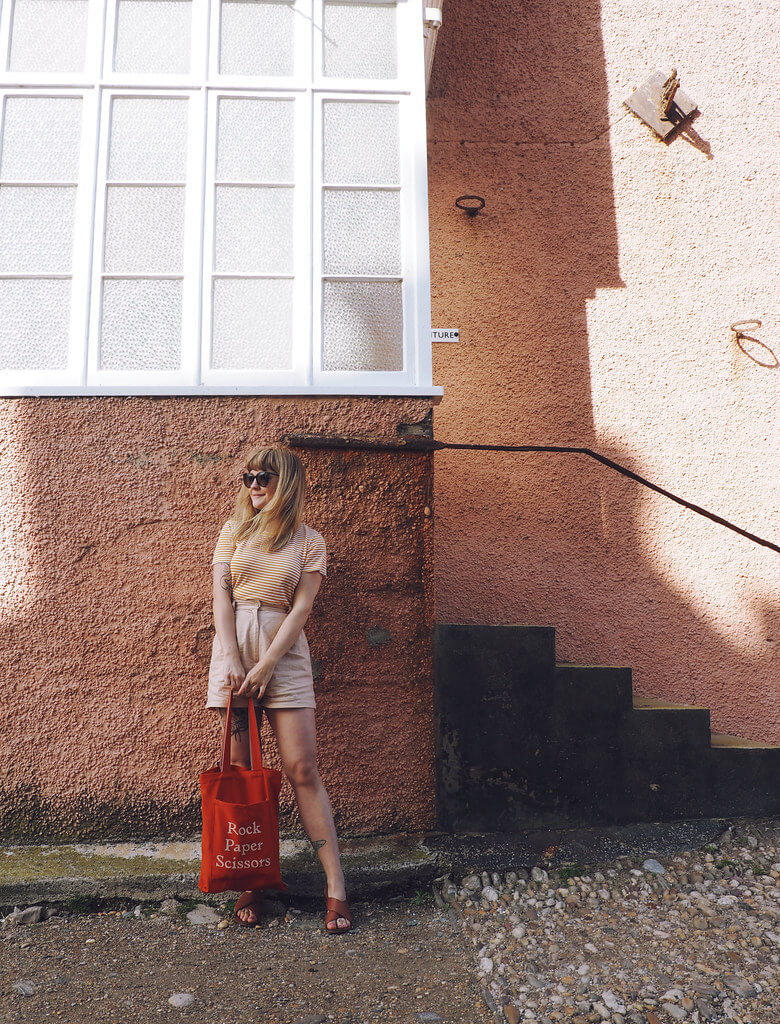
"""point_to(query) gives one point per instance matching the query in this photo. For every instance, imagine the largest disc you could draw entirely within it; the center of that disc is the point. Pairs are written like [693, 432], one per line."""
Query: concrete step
[655, 725]
[599, 689]
[722, 739]
[156, 871]
[569, 744]
[374, 866]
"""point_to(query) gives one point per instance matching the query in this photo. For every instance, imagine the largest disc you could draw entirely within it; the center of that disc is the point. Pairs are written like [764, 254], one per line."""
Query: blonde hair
[276, 524]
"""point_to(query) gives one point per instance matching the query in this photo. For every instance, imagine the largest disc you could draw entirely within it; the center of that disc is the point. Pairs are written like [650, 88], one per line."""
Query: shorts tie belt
[257, 623]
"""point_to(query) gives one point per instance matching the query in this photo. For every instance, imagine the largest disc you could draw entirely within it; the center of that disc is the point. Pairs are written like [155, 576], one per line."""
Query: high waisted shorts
[291, 685]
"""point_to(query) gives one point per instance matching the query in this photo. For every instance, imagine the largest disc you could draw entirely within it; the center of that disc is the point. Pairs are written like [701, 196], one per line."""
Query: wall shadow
[519, 113]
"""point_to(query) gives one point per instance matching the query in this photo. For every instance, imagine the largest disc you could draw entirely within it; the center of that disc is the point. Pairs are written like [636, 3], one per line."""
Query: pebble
[30, 915]
[181, 999]
[204, 914]
[695, 940]
[610, 999]
[654, 867]
[674, 1010]
[740, 986]
[24, 988]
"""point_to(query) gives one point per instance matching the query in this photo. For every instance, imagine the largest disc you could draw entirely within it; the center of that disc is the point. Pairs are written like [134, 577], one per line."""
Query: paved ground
[405, 962]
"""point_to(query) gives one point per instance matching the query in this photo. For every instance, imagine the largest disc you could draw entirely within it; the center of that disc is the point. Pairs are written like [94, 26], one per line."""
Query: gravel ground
[692, 938]
[404, 963]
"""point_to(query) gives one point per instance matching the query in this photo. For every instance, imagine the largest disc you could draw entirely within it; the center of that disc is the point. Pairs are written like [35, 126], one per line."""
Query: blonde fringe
[274, 526]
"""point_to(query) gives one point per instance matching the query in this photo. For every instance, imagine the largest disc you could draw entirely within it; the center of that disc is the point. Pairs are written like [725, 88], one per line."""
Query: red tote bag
[240, 844]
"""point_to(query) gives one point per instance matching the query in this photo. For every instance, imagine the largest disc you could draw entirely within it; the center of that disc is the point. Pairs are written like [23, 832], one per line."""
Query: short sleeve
[225, 544]
[314, 557]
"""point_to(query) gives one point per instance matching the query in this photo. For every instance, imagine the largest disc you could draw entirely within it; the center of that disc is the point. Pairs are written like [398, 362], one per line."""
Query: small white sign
[445, 334]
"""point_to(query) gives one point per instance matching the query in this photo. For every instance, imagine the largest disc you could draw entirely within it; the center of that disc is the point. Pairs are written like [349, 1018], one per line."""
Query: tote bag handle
[256, 751]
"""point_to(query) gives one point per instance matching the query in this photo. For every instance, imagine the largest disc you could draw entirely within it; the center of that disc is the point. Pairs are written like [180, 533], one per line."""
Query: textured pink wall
[110, 509]
[594, 295]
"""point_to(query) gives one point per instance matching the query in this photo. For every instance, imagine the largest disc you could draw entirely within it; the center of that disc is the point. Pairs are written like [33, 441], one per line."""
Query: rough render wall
[110, 510]
[594, 295]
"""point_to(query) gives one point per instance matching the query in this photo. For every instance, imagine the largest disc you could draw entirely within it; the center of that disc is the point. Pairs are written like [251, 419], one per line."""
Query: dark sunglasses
[263, 478]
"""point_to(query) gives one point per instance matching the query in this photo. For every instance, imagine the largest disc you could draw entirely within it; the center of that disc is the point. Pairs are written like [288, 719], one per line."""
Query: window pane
[362, 325]
[36, 229]
[144, 230]
[255, 140]
[359, 41]
[41, 139]
[148, 139]
[361, 143]
[153, 37]
[361, 234]
[252, 325]
[141, 325]
[254, 230]
[48, 35]
[34, 324]
[257, 38]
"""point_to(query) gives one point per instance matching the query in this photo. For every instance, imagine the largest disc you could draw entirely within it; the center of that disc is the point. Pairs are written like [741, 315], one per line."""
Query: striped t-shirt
[270, 576]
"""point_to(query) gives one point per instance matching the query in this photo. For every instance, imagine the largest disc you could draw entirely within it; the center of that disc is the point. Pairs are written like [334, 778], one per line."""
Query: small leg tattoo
[240, 722]
[317, 843]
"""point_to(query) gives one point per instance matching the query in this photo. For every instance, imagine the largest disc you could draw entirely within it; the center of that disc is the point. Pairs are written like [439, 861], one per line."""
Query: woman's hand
[257, 679]
[235, 672]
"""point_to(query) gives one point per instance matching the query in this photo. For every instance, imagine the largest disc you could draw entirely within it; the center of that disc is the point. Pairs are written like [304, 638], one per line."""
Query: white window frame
[203, 87]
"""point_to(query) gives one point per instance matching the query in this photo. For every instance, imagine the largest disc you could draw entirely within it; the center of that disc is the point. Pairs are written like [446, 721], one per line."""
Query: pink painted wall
[594, 295]
[109, 512]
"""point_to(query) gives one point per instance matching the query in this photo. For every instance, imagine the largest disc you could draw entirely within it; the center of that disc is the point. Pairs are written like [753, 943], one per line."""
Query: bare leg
[296, 739]
[295, 734]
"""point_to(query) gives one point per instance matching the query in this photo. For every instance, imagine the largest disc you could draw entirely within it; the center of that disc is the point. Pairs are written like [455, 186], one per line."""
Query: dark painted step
[660, 723]
[523, 742]
[745, 774]
[591, 704]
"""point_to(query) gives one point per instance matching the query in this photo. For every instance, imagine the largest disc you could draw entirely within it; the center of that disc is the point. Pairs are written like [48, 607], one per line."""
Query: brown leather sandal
[250, 900]
[334, 909]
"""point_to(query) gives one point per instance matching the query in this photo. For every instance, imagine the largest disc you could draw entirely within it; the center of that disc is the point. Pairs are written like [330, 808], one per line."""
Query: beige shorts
[291, 685]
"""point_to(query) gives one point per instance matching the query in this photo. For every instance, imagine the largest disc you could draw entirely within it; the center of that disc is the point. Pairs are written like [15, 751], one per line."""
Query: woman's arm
[258, 677]
[225, 624]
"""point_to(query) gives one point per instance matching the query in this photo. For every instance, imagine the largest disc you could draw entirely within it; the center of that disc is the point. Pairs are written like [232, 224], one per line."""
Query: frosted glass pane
[153, 37]
[144, 230]
[34, 324]
[141, 325]
[41, 139]
[362, 326]
[48, 35]
[254, 230]
[148, 140]
[359, 41]
[255, 140]
[360, 142]
[36, 229]
[361, 232]
[252, 325]
[257, 38]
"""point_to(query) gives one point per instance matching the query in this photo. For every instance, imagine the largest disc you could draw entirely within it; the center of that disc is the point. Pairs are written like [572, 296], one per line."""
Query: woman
[268, 567]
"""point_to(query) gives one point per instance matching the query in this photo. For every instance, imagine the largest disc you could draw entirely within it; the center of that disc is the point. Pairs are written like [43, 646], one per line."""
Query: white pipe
[431, 24]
